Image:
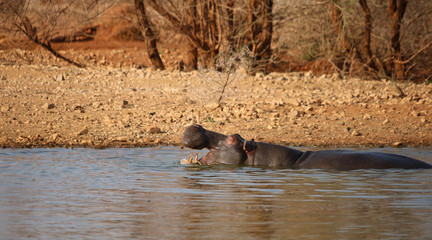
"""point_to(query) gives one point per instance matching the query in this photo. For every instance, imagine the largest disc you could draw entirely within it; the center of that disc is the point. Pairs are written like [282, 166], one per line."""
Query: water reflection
[146, 194]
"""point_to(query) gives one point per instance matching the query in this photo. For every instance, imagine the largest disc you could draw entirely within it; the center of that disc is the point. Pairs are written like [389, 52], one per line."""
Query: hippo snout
[195, 137]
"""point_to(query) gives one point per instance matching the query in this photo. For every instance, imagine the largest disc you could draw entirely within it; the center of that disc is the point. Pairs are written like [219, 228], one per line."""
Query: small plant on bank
[209, 119]
[229, 65]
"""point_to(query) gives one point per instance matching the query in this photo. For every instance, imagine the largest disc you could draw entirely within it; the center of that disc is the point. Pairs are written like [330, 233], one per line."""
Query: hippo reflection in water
[234, 150]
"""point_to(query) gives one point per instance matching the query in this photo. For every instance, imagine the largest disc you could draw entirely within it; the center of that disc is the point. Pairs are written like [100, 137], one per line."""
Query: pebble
[4, 109]
[293, 102]
[83, 131]
[86, 142]
[4, 140]
[59, 77]
[293, 114]
[153, 130]
[367, 117]
[121, 139]
[394, 91]
[48, 106]
[55, 136]
[309, 109]
[124, 104]
[78, 108]
[96, 104]
[415, 114]
[301, 97]
[259, 75]
[355, 133]
[211, 106]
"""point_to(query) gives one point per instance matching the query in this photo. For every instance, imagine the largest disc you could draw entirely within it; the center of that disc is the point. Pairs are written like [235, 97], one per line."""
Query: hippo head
[229, 152]
[223, 149]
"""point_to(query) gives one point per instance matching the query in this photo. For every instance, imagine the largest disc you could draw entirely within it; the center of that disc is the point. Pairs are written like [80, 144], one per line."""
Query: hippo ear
[238, 137]
[231, 140]
[249, 146]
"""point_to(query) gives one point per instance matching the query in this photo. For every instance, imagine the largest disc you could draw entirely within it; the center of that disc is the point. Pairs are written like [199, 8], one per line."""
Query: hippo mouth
[195, 160]
[192, 160]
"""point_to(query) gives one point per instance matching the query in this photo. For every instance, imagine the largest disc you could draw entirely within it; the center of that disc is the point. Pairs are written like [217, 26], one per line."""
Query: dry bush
[53, 18]
[41, 21]
[304, 30]
[209, 25]
[230, 66]
[118, 22]
[417, 30]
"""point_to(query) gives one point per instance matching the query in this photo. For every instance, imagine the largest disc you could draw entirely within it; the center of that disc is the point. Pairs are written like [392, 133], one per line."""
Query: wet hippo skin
[235, 150]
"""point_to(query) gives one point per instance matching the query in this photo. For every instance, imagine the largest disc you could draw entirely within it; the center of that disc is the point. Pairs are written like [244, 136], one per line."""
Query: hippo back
[350, 160]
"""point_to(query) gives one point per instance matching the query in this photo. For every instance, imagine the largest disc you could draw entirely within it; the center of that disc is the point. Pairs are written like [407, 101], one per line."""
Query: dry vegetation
[379, 39]
[221, 60]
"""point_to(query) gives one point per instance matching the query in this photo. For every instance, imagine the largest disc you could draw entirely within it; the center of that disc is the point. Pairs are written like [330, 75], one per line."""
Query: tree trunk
[149, 36]
[260, 22]
[337, 20]
[204, 33]
[351, 53]
[192, 57]
[367, 34]
[230, 20]
[192, 51]
[210, 30]
[186, 29]
[397, 11]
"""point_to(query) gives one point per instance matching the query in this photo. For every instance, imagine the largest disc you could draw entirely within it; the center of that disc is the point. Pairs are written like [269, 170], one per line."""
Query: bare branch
[31, 33]
[415, 54]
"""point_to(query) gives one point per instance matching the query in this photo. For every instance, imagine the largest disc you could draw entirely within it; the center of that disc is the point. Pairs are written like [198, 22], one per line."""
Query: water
[146, 194]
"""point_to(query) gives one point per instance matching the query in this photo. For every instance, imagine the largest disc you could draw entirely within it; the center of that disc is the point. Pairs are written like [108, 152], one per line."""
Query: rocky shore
[50, 104]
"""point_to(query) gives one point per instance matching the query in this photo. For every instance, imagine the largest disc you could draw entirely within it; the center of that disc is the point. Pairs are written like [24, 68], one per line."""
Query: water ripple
[146, 193]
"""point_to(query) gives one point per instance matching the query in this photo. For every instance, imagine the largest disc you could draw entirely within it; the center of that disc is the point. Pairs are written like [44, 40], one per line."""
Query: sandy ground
[47, 103]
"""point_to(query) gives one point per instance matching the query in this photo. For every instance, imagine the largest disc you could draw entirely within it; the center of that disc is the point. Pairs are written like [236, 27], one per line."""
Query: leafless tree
[396, 11]
[41, 21]
[148, 32]
[210, 24]
[260, 23]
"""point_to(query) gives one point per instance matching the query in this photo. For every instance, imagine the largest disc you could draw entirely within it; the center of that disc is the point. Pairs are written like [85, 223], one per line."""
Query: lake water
[145, 193]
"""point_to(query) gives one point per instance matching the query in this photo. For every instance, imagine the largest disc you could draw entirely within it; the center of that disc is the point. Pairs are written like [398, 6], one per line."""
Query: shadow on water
[145, 193]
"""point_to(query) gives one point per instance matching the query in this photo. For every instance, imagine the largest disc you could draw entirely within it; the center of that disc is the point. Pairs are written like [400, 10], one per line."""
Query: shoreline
[56, 105]
[13, 145]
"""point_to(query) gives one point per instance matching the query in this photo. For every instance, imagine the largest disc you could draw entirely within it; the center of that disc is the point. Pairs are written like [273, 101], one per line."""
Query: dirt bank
[45, 103]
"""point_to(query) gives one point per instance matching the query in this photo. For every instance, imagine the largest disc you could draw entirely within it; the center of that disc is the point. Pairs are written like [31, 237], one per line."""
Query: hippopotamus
[234, 150]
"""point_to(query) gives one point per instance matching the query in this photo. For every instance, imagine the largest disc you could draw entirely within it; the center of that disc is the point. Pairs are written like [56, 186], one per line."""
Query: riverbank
[50, 104]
